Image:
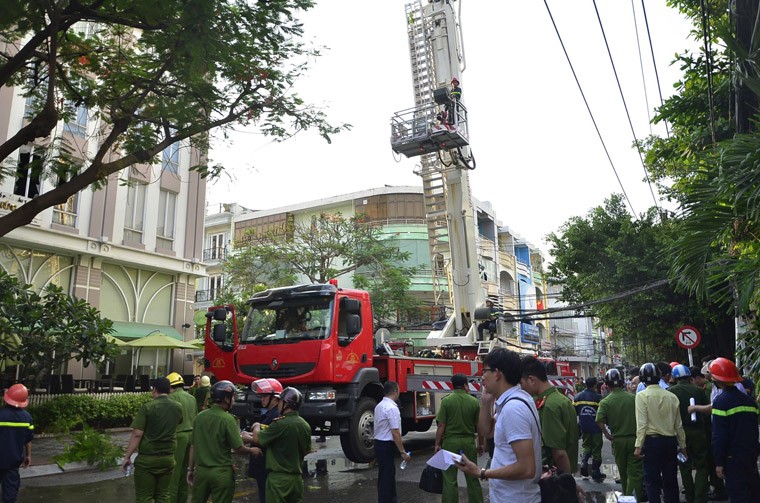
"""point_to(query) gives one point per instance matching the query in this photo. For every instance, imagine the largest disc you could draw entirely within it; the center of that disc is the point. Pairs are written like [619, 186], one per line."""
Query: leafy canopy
[43, 331]
[328, 247]
[150, 74]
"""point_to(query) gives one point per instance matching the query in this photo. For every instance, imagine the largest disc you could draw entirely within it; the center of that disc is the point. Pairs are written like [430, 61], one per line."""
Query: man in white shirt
[387, 440]
[516, 465]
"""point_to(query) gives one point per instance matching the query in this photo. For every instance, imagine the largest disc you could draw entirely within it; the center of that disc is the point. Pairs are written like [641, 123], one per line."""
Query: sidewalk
[46, 446]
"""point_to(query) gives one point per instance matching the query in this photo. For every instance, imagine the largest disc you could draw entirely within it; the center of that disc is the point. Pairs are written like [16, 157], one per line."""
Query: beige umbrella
[158, 341]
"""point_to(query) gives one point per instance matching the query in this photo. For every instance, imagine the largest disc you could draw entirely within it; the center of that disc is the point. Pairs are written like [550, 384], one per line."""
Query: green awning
[128, 330]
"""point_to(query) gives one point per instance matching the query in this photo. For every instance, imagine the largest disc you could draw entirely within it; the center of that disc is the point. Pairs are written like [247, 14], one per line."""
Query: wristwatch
[482, 474]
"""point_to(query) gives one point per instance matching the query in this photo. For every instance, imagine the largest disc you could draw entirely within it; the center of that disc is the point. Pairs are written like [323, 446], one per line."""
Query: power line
[654, 63]
[625, 106]
[641, 66]
[588, 108]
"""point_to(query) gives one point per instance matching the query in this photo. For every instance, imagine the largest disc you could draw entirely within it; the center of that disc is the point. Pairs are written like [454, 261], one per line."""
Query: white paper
[443, 459]
[693, 414]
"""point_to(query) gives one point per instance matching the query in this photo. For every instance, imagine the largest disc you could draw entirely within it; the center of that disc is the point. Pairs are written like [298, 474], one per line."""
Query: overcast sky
[539, 159]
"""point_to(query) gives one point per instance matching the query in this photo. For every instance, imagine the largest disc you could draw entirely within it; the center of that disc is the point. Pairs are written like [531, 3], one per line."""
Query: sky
[539, 159]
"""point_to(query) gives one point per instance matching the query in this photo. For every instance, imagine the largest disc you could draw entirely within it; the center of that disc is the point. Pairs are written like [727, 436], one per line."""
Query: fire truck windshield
[286, 321]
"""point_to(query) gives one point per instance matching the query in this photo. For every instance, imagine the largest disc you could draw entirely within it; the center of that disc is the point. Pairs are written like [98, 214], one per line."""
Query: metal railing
[216, 253]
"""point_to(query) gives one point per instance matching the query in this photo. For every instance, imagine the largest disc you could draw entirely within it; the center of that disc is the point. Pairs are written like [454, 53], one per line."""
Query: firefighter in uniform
[268, 391]
[287, 441]
[16, 432]
[697, 443]
[154, 437]
[586, 405]
[178, 488]
[734, 434]
[457, 425]
[618, 412]
[215, 435]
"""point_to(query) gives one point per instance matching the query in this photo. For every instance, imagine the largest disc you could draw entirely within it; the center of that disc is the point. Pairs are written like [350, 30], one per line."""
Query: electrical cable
[588, 108]
[654, 63]
[641, 66]
[708, 68]
[625, 106]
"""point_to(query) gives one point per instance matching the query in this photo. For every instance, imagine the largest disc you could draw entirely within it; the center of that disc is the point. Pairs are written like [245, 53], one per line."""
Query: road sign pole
[691, 358]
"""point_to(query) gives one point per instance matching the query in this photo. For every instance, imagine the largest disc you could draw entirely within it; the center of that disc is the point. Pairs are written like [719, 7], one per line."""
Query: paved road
[331, 477]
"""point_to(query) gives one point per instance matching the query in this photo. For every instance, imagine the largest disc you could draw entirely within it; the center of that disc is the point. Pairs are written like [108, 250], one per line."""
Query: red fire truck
[319, 339]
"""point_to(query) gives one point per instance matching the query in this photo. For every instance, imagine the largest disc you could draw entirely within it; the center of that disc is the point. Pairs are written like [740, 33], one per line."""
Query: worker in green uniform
[697, 443]
[215, 435]
[178, 488]
[154, 437]
[617, 411]
[559, 427]
[457, 426]
[202, 393]
[287, 441]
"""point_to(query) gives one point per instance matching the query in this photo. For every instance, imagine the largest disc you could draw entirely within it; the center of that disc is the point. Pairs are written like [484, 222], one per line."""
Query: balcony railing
[207, 295]
[217, 253]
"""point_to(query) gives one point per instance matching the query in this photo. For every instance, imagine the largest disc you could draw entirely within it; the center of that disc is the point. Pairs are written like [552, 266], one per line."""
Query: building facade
[132, 249]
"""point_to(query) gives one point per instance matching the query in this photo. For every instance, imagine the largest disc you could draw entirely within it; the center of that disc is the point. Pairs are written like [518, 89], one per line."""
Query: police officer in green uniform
[154, 437]
[287, 441]
[617, 411]
[697, 443]
[215, 434]
[559, 426]
[178, 488]
[457, 425]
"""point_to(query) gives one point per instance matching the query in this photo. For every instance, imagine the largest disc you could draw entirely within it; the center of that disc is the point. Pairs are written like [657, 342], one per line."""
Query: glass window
[28, 174]
[278, 322]
[167, 208]
[170, 158]
[66, 213]
[78, 123]
[133, 218]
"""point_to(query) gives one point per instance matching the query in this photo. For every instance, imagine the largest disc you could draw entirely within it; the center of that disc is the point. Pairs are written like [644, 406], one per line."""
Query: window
[214, 286]
[28, 175]
[170, 158]
[78, 123]
[167, 207]
[133, 218]
[217, 247]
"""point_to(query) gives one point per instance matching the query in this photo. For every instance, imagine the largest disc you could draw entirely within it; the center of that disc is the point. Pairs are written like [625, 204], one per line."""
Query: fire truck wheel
[357, 443]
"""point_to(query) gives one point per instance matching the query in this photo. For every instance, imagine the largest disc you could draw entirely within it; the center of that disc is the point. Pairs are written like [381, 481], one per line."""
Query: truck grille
[284, 370]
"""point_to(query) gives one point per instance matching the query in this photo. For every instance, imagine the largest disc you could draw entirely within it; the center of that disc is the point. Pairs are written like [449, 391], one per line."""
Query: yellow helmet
[175, 379]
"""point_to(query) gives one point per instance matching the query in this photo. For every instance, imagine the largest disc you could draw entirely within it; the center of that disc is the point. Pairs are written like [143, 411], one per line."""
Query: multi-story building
[510, 268]
[132, 249]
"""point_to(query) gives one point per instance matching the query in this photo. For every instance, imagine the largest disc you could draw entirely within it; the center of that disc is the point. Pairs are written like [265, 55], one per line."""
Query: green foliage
[67, 412]
[92, 446]
[151, 74]
[608, 253]
[43, 331]
[328, 247]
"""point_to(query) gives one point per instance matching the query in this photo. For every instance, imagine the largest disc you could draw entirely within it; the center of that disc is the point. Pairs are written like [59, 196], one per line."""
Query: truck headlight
[323, 394]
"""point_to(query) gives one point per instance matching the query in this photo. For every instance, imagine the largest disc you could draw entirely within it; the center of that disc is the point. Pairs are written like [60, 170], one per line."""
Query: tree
[50, 328]
[328, 247]
[609, 253]
[149, 74]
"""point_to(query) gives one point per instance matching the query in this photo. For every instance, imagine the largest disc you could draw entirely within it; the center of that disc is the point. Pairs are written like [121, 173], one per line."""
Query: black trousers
[742, 478]
[661, 468]
[385, 453]
[10, 481]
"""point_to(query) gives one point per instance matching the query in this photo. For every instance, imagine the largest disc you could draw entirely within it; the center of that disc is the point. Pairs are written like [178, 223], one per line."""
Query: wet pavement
[331, 477]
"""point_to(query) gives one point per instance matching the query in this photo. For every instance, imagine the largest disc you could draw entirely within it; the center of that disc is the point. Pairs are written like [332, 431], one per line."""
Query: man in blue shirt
[16, 432]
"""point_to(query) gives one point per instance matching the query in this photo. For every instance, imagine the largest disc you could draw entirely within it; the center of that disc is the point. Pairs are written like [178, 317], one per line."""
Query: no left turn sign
[688, 337]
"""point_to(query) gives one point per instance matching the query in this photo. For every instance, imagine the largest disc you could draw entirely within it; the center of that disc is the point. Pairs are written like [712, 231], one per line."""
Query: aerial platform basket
[422, 130]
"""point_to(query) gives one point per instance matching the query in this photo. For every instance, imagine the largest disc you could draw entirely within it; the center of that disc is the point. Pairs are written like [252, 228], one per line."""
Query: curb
[53, 469]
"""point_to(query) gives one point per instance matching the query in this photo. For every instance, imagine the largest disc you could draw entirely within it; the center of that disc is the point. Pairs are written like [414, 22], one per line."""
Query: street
[331, 477]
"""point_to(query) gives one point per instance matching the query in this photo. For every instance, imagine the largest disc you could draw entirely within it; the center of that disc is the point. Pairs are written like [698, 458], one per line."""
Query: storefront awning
[128, 330]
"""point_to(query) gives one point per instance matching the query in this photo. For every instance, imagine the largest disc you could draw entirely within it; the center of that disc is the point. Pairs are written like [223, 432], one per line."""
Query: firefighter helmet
[673, 364]
[292, 397]
[724, 370]
[17, 396]
[222, 390]
[267, 387]
[613, 377]
[649, 373]
[175, 379]
[680, 371]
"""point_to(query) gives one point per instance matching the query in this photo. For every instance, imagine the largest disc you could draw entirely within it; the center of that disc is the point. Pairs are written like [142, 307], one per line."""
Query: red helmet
[267, 386]
[724, 370]
[673, 364]
[17, 396]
